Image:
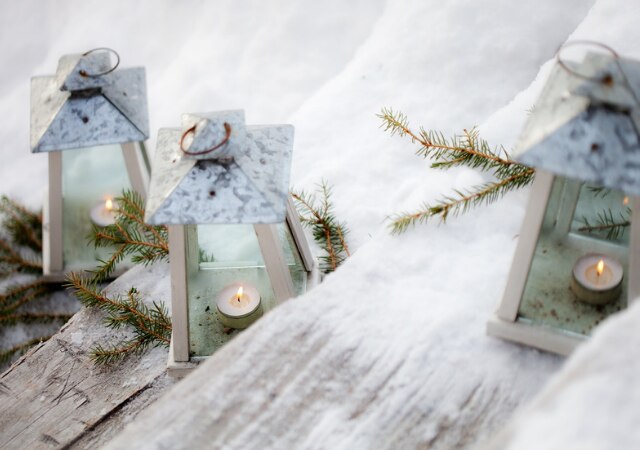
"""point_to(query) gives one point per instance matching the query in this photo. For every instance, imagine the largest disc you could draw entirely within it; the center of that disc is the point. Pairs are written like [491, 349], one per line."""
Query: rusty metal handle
[227, 129]
[607, 79]
[106, 49]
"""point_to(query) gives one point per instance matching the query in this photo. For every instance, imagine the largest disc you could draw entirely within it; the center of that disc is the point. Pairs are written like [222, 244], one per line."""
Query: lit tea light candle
[597, 279]
[103, 213]
[238, 305]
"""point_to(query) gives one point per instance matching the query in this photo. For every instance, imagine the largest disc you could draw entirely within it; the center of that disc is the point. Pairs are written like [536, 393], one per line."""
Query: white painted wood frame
[135, 159]
[274, 261]
[52, 238]
[532, 223]
[179, 307]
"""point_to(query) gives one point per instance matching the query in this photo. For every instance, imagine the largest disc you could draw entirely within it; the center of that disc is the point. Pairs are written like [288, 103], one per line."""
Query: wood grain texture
[55, 395]
[320, 372]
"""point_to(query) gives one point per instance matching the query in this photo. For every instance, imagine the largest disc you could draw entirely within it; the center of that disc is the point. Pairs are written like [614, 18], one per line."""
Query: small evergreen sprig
[20, 239]
[20, 294]
[151, 325]
[468, 150]
[20, 250]
[130, 236]
[612, 226]
[328, 232]
[6, 355]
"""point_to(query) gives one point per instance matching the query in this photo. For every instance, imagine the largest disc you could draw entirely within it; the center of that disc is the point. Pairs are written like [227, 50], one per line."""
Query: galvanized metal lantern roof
[216, 170]
[586, 127]
[87, 104]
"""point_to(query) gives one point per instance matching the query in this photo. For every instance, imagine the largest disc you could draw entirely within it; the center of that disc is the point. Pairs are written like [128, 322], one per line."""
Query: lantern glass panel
[220, 255]
[90, 176]
[572, 228]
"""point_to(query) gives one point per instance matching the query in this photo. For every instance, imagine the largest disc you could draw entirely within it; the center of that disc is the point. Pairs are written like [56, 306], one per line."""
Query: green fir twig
[205, 257]
[20, 239]
[20, 250]
[613, 227]
[129, 236]
[6, 355]
[467, 149]
[150, 324]
[17, 295]
[330, 234]
[12, 319]
[23, 227]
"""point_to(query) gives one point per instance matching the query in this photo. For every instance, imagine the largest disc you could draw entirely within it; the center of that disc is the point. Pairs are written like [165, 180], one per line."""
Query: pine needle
[6, 355]
[467, 149]
[129, 236]
[24, 227]
[20, 239]
[151, 325]
[12, 319]
[20, 294]
[330, 234]
[612, 227]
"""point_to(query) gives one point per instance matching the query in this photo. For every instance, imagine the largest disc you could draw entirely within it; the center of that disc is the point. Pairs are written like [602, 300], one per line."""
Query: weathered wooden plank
[322, 372]
[113, 423]
[55, 394]
[58, 302]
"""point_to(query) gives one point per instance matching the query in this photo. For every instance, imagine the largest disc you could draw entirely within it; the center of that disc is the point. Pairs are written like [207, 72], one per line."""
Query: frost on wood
[321, 372]
[55, 395]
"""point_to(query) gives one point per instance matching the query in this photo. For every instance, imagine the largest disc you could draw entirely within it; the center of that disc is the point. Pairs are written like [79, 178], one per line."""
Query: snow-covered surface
[593, 403]
[401, 324]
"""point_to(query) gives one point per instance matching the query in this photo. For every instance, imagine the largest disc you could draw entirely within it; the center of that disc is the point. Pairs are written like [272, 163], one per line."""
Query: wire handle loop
[95, 75]
[227, 129]
[607, 79]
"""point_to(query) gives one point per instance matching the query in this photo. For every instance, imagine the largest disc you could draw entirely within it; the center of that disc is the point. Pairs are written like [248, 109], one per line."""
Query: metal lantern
[576, 261]
[237, 248]
[91, 119]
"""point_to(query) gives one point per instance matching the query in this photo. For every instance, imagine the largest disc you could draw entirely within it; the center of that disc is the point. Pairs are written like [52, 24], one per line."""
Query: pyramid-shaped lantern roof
[88, 103]
[217, 170]
[585, 123]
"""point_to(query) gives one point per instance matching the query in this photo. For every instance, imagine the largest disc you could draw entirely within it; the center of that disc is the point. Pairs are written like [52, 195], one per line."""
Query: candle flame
[600, 267]
[240, 292]
[108, 204]
[625, 200]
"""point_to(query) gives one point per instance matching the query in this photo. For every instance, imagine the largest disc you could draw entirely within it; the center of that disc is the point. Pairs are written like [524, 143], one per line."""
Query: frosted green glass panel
[220, 255]
[598, 206]
[572, 228]
[293, 259]
[89, 176]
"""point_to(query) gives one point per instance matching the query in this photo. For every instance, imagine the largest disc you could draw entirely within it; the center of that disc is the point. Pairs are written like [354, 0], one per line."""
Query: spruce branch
[613, 227]
[330, 234]
[12, 319]
[6, 355]
[486, 194]
[20, 239]
[24, 227]
[20, 294]
[13, 261]
[467, 149]
[20, 250]
[129, 236]
[150, 325]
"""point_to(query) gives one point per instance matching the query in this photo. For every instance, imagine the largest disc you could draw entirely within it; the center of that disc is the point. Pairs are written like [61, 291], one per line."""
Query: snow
[403, 309]
[592, 403]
